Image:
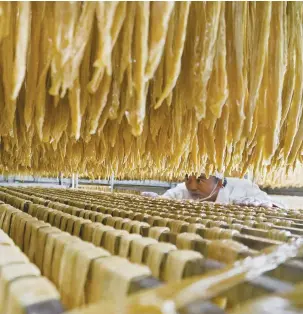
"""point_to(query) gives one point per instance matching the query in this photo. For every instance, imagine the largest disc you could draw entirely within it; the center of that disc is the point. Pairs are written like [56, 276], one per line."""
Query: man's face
[200, 187]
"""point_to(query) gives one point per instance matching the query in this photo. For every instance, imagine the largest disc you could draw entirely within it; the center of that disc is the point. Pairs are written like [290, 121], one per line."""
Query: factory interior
[151, 157]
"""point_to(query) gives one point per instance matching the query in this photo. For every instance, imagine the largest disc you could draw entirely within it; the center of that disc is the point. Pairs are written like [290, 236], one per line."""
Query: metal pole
[112, 183]
[76, 180]
[73, 181]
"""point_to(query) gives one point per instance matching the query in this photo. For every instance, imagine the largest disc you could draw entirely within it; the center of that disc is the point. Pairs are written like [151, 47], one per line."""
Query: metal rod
[112, 178]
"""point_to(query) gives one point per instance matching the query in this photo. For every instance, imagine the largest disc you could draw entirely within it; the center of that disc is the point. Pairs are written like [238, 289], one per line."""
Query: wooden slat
[291, 271]
[254, 232]
[141, 283]
[254, 288]
[254, 243]
[46, 307]
[201, 307]
[291, 229]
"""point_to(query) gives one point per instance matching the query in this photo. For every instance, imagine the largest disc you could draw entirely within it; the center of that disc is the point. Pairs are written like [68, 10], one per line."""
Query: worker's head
[201, 186]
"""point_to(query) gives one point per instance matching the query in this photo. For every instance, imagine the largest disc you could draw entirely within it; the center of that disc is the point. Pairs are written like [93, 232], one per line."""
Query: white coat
[236, 191]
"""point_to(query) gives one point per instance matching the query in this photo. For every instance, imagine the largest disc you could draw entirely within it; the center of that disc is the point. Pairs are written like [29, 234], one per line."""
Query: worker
[219, 190]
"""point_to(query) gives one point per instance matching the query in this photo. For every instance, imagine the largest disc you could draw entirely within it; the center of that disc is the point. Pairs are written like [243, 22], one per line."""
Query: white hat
[219, 175]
